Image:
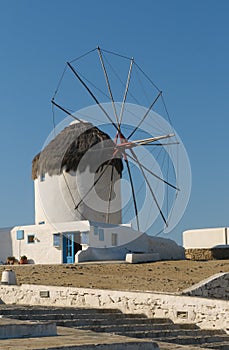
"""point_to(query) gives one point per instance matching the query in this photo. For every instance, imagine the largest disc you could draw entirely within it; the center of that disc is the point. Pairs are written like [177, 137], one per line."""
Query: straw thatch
[66, 150]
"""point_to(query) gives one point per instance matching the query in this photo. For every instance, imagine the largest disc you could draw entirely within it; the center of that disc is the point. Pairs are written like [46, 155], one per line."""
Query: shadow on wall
[5, 244]
[220, 252]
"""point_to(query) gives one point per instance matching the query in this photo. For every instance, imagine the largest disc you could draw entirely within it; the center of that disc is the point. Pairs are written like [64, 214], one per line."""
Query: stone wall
[207, 254]
[206, 313]
[216, 286]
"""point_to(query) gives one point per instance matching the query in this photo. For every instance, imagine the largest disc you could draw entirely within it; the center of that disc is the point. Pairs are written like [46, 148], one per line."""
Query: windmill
[142, 146]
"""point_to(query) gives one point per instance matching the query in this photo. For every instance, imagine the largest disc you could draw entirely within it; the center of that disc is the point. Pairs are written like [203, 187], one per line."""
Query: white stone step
[20, 329]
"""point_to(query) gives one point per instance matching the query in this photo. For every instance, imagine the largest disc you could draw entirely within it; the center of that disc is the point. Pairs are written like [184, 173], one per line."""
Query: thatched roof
[66, 150]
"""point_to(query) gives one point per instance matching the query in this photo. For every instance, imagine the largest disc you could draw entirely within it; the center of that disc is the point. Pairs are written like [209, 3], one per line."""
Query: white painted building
[59, 243]
[79, 241]
[206, 238]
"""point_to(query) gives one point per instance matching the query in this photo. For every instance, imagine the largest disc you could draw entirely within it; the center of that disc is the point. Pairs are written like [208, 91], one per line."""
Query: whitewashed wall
[42, 250]
[206, 313]
[205, 238]
[55, 203]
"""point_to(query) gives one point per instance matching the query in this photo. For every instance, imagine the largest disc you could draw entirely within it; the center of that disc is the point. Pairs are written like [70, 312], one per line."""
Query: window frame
[42, 177]
[101, 234]
[20, 235]
[56, 240]
[114, 239]
[28, 237]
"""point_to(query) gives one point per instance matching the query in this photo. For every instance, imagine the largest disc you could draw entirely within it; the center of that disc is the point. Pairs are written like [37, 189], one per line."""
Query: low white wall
[216, 286]
[206, 313]
[205, 238]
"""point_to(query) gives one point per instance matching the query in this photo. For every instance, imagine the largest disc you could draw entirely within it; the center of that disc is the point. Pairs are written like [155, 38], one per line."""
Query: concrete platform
[10, 328]
[136, 258]
[75, 339]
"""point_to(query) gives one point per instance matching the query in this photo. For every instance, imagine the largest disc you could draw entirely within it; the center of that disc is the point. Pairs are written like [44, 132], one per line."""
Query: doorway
[70, 246]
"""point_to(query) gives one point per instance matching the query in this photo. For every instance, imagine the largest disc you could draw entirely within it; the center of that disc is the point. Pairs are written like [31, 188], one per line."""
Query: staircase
[163, 331]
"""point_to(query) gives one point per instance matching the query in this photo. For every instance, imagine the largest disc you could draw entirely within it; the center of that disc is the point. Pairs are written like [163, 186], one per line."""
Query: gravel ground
[163, 276]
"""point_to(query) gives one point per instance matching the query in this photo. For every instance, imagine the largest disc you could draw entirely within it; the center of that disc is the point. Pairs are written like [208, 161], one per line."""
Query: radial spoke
[108, 83]
[153, 139]
[92, 95]
[110, 193]
[152, 173]
[144, 117]
[119, 79]
[143, 142]
[64, 110]
[162, 144]
[149, 186]
[133, 193]
[126, 91]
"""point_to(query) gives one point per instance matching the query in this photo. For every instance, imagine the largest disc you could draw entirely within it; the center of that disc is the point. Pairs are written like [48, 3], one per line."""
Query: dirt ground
[163, 276]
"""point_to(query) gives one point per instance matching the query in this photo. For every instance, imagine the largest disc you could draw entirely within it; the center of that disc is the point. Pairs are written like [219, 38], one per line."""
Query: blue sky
[182, 45]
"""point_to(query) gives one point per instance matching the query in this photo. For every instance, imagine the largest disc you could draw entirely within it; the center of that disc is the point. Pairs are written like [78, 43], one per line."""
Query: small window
[101, 234]
[30, 239]
[96, 230]
[42, 177]
[20, 234]
[114, 239]
[56, 239]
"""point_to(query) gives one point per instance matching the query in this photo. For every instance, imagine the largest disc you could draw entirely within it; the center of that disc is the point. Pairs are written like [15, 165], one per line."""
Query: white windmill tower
[59, 168]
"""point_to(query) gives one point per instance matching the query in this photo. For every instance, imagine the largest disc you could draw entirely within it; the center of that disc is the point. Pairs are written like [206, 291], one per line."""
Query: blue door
[68, 248]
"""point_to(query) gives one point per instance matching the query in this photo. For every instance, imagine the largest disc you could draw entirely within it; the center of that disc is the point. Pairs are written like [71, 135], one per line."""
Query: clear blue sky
[181, 44]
